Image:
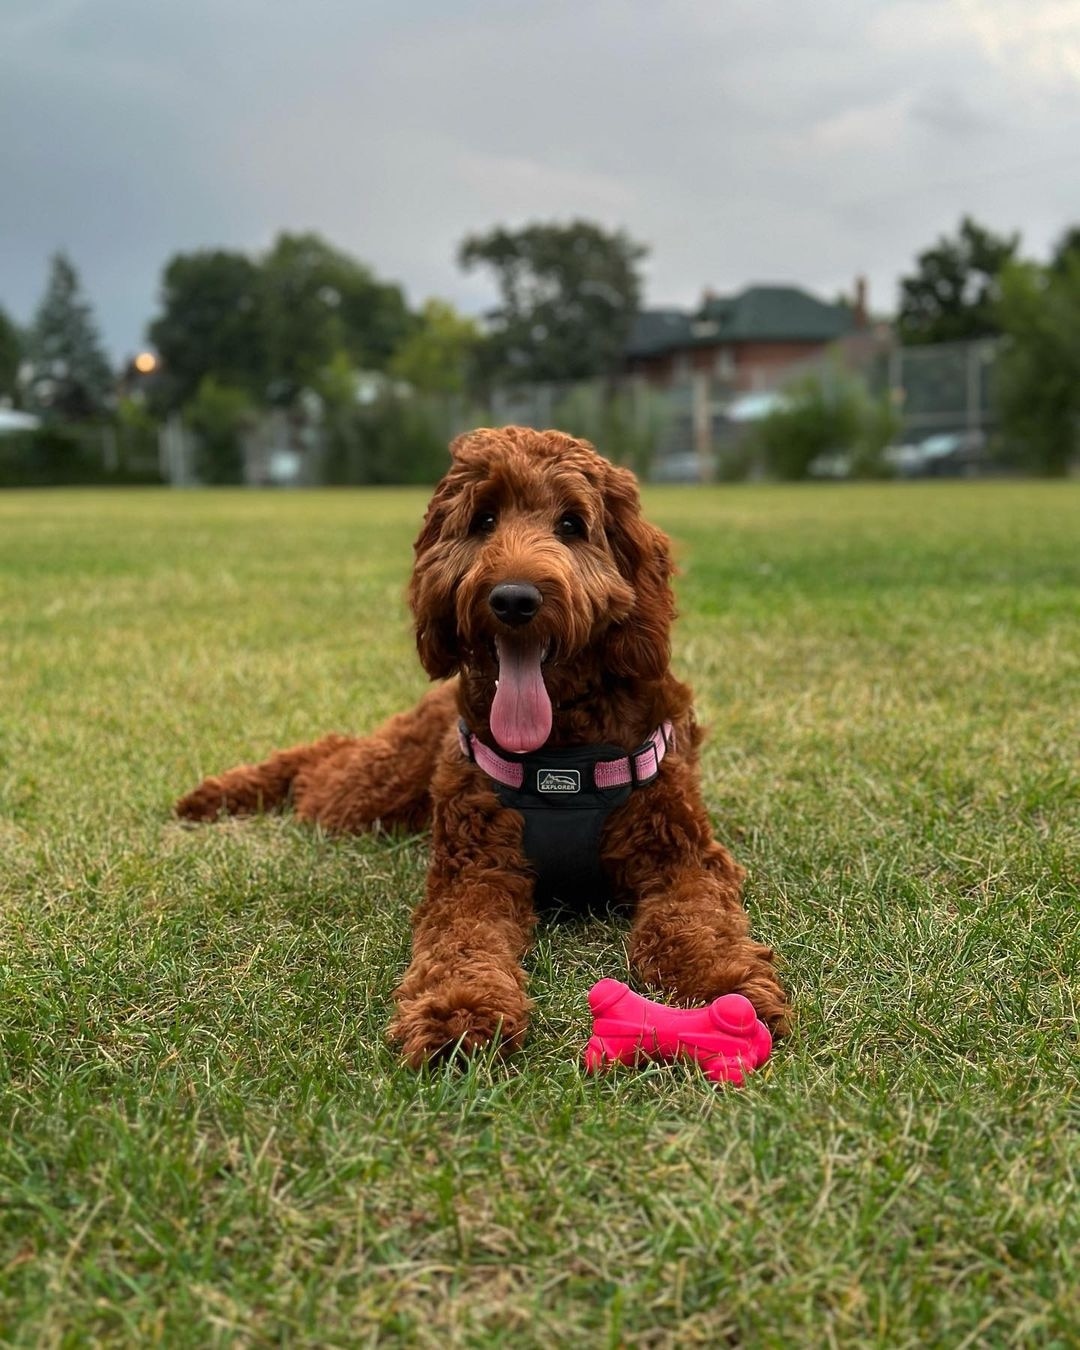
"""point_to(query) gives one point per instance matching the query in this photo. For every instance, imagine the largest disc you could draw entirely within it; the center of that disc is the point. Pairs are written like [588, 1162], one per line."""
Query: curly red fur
[605, 617]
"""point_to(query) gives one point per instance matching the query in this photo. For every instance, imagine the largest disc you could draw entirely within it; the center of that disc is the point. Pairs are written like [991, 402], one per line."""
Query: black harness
[565, 797]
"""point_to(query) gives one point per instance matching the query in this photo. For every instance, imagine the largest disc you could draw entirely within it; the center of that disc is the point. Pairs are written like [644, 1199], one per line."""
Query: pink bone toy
[725, 1038]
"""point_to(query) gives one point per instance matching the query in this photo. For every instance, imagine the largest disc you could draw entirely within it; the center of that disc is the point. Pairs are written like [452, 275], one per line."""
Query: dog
[558, 754]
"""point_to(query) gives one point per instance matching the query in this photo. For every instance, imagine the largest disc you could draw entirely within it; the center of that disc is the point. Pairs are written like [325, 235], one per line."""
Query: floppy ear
[430, 587]
[639, 647]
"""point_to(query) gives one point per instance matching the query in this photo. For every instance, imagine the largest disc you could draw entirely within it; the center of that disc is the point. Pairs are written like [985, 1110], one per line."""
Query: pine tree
[71, 377]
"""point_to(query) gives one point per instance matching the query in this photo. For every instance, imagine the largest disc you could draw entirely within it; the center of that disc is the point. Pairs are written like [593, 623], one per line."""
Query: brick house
[740, 342]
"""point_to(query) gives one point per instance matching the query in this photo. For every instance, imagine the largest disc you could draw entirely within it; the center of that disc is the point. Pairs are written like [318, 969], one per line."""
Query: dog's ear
[640, 646]
[436, 641]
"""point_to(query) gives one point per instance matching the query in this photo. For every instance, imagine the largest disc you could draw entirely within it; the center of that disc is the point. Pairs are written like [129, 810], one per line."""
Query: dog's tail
[344, 783]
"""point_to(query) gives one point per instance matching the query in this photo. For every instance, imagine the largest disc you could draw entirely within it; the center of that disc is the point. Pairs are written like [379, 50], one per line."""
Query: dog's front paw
[206, 802]
[460, 1017]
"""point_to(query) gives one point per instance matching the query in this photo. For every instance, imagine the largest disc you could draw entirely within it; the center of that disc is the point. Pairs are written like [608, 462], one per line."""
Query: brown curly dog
[539, 585]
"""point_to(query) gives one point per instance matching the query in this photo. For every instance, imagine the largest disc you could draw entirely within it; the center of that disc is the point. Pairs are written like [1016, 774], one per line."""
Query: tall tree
[272, 325]
[10, 355]
[1037, 378]
[212, 324]
[319, 301]
[70, 373]
[952, 295]
[568, 295]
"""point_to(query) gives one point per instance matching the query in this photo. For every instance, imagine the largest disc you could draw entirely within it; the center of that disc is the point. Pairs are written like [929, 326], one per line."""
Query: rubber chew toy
[725, 1038]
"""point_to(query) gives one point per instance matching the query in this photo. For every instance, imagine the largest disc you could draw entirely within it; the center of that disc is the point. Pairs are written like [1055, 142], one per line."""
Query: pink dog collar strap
[638, 769]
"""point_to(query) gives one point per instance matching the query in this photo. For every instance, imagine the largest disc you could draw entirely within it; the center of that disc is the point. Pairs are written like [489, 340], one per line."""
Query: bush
[219, 415]
[827, 417]
[393, 439]
[625, 425]
[1037, 392]
[66, 456]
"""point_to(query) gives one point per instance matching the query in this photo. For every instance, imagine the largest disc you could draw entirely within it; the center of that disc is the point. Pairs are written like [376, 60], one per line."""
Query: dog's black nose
[515, 602]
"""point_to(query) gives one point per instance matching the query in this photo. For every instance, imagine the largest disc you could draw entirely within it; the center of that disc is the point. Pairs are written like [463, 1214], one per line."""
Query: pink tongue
[521, 711]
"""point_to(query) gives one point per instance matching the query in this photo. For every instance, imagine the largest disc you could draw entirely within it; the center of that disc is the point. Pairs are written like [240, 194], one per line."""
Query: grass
[204, 1139]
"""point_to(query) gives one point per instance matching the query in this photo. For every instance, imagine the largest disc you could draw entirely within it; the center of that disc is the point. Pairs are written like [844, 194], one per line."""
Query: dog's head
[534, 554]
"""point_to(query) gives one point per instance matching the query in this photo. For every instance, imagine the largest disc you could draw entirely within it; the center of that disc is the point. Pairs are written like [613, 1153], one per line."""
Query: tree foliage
[568, 295]
[10, 355]
[70, 374]
[317, 302]
[437, 357]
[1037, 380]
[271, 325]
[1068, 246]
[211, 325]
[953, 293]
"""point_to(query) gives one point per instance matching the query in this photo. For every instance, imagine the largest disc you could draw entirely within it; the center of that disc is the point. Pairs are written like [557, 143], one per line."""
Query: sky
[741, 140]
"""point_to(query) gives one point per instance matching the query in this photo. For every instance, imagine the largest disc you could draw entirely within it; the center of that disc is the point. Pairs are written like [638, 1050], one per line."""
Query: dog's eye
[483, 522]
[570, 526]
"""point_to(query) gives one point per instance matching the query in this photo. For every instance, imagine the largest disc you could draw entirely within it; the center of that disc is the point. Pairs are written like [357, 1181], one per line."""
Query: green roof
[757, 314]
[772, 314]
[658, 330]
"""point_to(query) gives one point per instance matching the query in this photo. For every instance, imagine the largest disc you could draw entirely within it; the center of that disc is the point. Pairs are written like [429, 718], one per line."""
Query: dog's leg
[465, 988]
[690, 935]
[251, 788]
[343, 783]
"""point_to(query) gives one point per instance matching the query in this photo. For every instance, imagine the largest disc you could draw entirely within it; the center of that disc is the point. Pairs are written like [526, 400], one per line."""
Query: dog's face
[534, 557]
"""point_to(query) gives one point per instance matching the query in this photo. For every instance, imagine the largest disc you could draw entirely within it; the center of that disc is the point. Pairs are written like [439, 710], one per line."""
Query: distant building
[742, 342]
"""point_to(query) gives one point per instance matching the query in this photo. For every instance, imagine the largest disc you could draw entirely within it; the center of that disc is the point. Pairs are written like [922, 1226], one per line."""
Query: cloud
[1036, 43]
[749, 140]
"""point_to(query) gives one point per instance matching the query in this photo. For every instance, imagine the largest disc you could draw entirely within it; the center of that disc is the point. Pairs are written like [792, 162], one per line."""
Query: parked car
[945, 454]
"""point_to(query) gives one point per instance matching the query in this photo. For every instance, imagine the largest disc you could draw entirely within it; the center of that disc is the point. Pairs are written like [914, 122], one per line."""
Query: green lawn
[204, 1138]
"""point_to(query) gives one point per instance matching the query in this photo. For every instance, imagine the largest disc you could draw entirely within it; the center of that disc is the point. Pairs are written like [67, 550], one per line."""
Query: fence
[694, 428]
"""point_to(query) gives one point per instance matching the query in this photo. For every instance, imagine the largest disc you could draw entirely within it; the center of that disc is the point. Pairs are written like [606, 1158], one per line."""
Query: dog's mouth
[521, 709]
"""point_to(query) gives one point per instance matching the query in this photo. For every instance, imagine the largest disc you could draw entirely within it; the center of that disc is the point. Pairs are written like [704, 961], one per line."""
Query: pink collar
[638, 768]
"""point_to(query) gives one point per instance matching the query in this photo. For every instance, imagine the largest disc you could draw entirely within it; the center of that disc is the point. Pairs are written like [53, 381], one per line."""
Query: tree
[10, 355]
[1037, 378]
[212, 325]
[568, 296]
[1068, 246]
[70, 373]
[271, 325]
[436, 358]
[319, 301]
[952, 295]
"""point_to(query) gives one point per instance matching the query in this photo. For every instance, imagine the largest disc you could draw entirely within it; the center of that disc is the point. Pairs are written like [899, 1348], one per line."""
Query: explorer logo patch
[558, 780]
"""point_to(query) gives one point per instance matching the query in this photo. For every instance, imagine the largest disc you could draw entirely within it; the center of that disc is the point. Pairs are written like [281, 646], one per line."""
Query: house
[741, 342]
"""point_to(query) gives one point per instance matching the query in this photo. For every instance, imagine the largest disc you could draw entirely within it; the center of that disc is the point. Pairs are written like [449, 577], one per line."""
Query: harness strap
[636, 769]
[565, 796]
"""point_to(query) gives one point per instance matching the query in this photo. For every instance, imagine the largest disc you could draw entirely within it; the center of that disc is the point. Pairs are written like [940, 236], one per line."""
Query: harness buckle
[638, 778]
[465, 741]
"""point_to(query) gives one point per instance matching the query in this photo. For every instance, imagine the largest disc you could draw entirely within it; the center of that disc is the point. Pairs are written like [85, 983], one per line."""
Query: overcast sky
[743, 140]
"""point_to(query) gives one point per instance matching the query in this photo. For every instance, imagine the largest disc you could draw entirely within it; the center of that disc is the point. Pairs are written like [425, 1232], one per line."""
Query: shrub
[219, 415]
[393, 439]
[831, 415]
[72, 455]
[625, 425]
